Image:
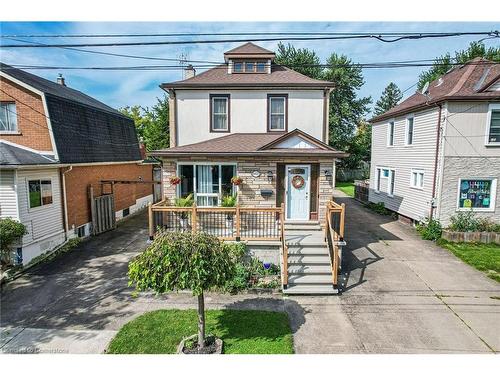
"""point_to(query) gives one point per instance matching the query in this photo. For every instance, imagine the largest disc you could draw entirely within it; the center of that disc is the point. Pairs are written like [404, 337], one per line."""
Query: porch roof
[250, 144]
[11, 155]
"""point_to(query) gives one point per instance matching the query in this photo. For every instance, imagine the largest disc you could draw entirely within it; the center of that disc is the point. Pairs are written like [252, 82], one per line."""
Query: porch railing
[334, 235]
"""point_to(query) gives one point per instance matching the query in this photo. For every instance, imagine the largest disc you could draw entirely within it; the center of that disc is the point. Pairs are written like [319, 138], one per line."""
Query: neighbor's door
[298, 188]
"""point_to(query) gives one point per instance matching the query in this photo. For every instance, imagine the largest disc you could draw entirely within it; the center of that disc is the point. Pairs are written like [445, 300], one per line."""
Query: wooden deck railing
[334, 233]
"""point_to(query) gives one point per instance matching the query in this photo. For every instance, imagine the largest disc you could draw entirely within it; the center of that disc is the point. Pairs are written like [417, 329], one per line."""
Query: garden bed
[479, 237]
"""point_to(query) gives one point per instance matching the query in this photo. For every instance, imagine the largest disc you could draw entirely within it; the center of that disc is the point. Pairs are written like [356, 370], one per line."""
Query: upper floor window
[238, 67]
[40, 193]
[277, 108]
[409, 131]
[390, 134]
[493, 125]
[417, 179]
[8, 117]
[249, 67]
[219, 113]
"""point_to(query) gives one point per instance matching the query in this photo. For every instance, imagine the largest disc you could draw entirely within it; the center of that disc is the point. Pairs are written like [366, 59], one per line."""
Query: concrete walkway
[401, 295]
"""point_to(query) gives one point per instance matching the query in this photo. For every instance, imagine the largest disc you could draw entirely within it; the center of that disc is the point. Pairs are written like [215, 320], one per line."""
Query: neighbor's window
[409, 131]
[392, 182]
[220, 113]
[8, 117]
[207, 182]
[477, 194]
[238, 67]
[494, 126]
[417, 179]
[390, 134]
[378, 179]
[40, 192]
[277, 113]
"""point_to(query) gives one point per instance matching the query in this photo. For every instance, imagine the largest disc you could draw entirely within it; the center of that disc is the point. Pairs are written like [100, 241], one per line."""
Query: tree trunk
[201, 321]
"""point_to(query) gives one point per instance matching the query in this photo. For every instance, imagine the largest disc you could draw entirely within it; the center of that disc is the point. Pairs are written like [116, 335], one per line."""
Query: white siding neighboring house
[444, 155]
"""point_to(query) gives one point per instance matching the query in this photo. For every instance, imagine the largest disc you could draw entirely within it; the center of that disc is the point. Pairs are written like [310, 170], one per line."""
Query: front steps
[309, 267]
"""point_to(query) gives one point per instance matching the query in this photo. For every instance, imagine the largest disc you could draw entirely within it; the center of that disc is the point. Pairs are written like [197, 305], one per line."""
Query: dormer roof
[249, 50]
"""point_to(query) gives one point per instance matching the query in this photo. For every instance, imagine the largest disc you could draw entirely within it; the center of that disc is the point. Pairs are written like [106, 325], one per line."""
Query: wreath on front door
[298, 182]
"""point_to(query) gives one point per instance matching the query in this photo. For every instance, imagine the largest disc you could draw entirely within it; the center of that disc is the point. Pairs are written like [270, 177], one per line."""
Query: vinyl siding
[45, 220]
[8, 196]
[408, 201]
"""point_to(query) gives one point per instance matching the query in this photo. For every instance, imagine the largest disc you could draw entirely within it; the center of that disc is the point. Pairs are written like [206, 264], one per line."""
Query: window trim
[42, 206]
[16, 130]
[211, 104]
[492, 107]
[269, 97]
[407, 128]
[250, 61]
[417, 170]
[493, 195]
[393, 122]
[195, 194]
[391, 182]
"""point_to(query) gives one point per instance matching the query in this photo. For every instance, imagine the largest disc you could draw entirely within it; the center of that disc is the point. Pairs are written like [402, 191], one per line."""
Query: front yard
[484, 257]
[346, 187]
[243, 332]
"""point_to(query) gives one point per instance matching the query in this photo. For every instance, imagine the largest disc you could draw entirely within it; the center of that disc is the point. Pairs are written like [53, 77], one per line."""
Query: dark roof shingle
[249, 48]
[11, 155]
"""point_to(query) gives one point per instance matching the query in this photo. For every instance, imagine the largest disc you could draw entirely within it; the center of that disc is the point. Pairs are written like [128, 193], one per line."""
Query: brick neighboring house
[438, 152]
[55, 142]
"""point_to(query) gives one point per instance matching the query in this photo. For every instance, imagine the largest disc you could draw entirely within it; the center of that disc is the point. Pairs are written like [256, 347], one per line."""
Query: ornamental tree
[185, 261]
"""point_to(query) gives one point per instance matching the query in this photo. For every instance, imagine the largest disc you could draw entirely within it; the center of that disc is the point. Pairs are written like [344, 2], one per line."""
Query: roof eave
[169, 86]
[337, 154]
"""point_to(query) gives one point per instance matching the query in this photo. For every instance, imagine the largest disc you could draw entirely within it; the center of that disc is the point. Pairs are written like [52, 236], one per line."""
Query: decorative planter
[215, 348]
[483, 237]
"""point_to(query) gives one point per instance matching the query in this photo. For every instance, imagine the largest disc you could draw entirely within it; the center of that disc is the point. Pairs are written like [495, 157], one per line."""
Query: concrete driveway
[401, 295]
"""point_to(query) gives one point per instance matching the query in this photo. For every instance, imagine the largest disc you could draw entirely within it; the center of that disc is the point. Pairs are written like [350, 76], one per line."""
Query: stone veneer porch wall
[249, 191]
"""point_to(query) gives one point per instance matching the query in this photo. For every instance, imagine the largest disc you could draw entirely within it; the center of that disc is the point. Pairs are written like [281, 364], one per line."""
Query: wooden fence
[102, 210]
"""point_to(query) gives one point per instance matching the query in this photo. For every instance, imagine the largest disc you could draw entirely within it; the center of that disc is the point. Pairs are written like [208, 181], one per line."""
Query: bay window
[277, 108]
[207, 182]
[219, 113]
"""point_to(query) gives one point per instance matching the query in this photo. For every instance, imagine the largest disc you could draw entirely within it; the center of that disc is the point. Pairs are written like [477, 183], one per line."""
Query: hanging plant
[175, 180]
[236, 180]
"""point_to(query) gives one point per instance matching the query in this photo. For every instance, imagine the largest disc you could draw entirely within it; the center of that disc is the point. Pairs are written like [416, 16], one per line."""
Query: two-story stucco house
[55, 143]
[438, 152]
[265, 126]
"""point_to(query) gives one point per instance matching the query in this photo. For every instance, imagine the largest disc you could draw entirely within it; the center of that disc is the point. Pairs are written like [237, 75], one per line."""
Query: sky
[127, 88]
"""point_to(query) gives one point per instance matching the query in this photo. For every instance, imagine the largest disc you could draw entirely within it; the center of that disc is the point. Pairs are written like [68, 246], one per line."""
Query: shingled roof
[466, 82]
[248, 48]
[246, 144]
[85, 130]
[13, 155]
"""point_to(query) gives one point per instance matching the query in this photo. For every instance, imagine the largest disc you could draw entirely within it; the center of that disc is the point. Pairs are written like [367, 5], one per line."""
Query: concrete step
[302, 227]
[308, 260]
[310, 289]
[301, 222]
[306, 244]
[307, 250]
[310, 279]
[309, 269]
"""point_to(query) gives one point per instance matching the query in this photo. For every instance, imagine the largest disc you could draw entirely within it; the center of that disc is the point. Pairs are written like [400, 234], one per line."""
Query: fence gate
[103, 212]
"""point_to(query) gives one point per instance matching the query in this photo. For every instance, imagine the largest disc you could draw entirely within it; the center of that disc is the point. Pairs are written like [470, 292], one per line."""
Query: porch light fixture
[327, 173]
[270, 176]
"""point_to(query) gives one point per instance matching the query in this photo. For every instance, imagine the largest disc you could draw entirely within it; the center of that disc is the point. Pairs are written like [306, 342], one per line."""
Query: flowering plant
[175, 180]
[236, 180]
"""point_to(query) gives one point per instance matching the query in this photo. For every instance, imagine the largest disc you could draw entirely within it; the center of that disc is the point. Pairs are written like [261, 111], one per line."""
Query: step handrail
[333, 235]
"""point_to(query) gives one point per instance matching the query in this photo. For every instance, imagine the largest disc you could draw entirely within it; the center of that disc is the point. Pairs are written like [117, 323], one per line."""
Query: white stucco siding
[248, 110]
[43, 221]
[8, 195]
[408, 201]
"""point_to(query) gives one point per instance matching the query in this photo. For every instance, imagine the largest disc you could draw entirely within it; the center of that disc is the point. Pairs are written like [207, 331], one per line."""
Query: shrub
[464, 221]
[229, 201]
[10, 231]
[378, 208]
[430, 229]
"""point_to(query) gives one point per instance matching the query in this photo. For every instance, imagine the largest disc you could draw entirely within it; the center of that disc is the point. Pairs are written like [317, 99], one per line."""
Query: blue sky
[121, 88]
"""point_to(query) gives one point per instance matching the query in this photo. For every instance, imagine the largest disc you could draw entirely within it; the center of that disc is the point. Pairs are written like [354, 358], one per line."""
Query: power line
[380, 37]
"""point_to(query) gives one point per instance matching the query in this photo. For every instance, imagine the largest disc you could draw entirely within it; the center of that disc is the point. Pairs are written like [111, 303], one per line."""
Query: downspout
[70, 168]
[436, 158]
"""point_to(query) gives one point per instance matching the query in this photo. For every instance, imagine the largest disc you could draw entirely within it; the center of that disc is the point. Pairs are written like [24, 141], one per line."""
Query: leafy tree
[10, 231]
[301, 60]
[390, 97]
[359, 147]
[185, 261]
[346, 109]
[444, 63]
[151, 123]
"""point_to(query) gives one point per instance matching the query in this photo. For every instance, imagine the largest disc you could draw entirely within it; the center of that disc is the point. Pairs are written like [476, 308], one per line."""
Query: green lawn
[346, 187]
[243, 332]
[484, 257]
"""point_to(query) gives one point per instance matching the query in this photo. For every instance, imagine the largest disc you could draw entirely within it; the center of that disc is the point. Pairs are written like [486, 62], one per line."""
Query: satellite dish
[425, 89]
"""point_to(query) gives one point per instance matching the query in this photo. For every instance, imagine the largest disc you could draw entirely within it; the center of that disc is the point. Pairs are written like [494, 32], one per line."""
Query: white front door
[297, 191]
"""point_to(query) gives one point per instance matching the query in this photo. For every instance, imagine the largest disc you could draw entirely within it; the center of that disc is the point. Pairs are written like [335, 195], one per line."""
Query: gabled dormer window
[249, 66]
[219, 113]
[238, 67]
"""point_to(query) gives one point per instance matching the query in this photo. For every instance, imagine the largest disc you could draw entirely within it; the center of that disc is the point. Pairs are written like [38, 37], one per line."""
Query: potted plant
[236, 180]
[229, 201]
[175, 180]
[187, 201]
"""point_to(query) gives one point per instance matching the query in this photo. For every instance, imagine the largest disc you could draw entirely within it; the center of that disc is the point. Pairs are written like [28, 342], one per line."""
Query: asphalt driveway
[401, 295]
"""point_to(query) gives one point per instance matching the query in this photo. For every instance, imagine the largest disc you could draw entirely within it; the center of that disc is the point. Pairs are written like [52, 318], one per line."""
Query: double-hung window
[390, 133]
[277, 116]
[409, 131]
[477, 194]
[208, 183]
[219, 113]
[493, 125]
[39, 192]
[8, 117]
[417, 179]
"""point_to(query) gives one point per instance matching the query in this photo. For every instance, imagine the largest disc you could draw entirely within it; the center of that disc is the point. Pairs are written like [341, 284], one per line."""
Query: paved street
[401, 295]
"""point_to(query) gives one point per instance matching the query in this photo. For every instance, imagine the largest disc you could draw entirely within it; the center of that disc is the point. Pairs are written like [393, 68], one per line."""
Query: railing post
[194, 218]
[283, 246]
[151, 221]
[342, 217]
[238, 222]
